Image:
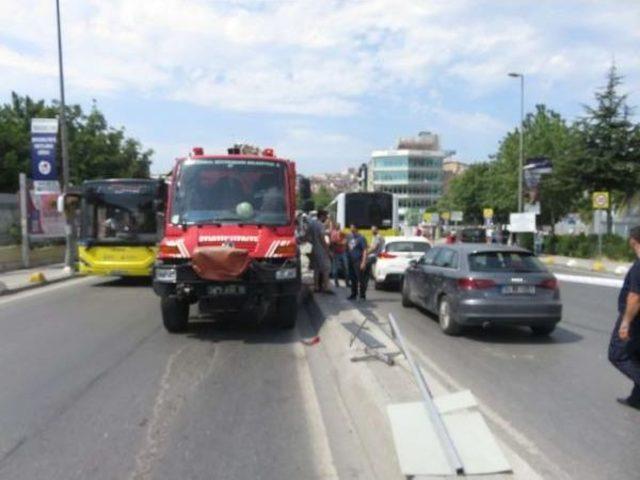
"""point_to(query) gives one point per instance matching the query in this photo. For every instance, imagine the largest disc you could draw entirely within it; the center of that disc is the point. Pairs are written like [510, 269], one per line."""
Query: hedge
[614, 247]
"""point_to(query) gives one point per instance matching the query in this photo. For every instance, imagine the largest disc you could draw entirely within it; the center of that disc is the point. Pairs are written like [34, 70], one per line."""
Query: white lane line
[600, 281]
[323, 460]
[13, 297]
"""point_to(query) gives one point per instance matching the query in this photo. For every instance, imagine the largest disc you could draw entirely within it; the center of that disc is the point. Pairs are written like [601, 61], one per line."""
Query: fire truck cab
[229, 238]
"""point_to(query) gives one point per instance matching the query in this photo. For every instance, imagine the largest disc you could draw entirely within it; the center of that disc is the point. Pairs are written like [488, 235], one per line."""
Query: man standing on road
[321, 260]
[376, 248]
[356, 250]
[624, 348]
[339, 250]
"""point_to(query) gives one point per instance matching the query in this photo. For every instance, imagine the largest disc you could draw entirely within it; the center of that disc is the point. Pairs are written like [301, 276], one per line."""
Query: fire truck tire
[287, 312]
[175, 314]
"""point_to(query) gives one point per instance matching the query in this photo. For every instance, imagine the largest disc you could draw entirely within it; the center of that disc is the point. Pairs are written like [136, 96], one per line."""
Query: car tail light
[386, 255]
[550, 283]
[287, 250]
[475, 283]
[168, 251]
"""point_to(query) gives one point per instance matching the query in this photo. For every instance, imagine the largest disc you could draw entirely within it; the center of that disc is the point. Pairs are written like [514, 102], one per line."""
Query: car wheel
[543, 330]
[377, 285]
[446, 318]
[175, 314]
[406, 302]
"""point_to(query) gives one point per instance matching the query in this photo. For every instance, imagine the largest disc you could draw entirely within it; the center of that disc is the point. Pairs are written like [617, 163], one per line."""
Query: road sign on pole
[487, 213]
[600, 200]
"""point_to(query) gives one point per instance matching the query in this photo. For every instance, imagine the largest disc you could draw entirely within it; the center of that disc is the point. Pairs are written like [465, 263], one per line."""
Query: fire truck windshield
[230, 191]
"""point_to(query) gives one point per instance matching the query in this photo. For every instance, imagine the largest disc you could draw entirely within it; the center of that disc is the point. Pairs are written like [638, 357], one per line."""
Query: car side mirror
[413, 263]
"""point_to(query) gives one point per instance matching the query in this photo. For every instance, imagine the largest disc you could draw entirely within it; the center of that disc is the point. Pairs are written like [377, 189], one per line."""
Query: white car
[394, 259]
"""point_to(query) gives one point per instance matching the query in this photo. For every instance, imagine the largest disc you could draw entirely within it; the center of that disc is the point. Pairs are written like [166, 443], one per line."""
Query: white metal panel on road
[417, 445]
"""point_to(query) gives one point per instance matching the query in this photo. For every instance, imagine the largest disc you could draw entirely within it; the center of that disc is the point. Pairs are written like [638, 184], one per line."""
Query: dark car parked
[475, 284]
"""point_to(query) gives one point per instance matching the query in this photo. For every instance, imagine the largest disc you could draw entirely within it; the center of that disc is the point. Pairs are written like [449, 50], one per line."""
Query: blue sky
[322, 82]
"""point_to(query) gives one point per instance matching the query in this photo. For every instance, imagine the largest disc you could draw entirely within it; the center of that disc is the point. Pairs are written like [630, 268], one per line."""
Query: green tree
[97, 150]
[546, 134]
[495, 184]
[323, 197]
[608, 157]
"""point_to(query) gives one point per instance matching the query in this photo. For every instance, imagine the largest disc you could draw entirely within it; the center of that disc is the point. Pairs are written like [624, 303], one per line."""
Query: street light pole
[521, 161]
[68, 255]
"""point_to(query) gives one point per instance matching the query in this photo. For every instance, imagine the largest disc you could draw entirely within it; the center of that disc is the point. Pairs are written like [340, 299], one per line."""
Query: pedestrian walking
[624, 347]
[339, 251]
[357, 255]
[321, 259]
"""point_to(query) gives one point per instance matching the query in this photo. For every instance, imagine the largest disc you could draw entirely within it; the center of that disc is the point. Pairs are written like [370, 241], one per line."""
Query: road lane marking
[586, 280]
[323, 461]
[13, 297]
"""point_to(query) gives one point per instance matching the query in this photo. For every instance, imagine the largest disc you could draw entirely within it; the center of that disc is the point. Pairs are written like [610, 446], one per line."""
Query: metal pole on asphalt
[521, 160]
[68, 254]
[432, 411]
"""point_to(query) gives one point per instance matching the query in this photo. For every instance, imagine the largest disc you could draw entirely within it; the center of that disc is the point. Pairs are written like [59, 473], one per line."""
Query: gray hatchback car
[478, 284]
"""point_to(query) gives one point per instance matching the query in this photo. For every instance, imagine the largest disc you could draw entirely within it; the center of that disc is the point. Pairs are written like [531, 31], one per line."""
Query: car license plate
[216, 290]
[519, 290]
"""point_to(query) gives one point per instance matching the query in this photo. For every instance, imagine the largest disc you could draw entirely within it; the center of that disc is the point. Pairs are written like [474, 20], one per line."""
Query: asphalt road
[93, 387]
[554, 398]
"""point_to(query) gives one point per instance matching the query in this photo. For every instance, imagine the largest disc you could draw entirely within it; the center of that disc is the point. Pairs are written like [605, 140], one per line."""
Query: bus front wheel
[175, 314]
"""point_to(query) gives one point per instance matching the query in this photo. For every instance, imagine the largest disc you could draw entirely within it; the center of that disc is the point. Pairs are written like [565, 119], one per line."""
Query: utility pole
[521, 161]
[69, 254]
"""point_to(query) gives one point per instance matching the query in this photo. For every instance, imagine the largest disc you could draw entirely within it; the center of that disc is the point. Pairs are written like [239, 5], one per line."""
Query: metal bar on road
[432, 411]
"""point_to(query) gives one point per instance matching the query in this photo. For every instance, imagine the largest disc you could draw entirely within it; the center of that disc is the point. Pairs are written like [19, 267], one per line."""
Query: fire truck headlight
[167, 275]
[286, 274]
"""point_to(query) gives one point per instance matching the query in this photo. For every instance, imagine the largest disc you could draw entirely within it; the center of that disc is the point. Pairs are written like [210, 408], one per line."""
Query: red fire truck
[229, 241]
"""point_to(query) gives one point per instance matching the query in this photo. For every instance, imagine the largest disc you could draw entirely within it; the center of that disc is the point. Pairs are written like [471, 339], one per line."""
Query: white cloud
[304, 56]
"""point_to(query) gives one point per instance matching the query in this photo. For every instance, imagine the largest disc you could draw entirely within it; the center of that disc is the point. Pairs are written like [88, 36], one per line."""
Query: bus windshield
[368, 209]
[120, 212]
[230, 191]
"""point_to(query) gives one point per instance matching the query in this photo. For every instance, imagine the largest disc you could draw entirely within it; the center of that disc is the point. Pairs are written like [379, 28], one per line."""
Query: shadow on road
[125, 282]
[523, 335]
[237, 326]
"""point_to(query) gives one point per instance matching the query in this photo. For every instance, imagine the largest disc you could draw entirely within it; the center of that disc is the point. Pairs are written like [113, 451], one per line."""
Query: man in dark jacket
[624, 348]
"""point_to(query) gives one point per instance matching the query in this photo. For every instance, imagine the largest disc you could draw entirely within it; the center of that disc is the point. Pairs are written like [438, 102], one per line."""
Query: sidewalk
[586, 264]
[17, 280]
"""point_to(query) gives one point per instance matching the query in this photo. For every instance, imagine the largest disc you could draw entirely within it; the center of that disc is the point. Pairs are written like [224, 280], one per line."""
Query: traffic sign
[487, 213]
[456, 216]
[445, 215]
[600, 200]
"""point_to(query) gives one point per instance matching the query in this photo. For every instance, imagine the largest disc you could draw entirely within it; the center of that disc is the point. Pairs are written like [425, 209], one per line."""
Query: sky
[322, 82]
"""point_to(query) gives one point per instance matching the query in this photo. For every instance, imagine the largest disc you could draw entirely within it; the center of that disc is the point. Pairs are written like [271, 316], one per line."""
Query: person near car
[375, 249]
[339, 250]
[624, 347]
[320, 255]
[357, 256]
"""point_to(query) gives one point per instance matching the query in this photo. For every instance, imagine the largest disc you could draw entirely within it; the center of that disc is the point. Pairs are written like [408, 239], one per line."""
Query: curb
[588, 266]
[31, 286]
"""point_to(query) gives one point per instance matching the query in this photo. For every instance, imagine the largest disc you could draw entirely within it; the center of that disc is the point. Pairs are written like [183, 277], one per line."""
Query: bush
[614, 247]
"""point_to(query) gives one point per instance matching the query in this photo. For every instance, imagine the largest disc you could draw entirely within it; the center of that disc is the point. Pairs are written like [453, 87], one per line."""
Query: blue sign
[44, 134]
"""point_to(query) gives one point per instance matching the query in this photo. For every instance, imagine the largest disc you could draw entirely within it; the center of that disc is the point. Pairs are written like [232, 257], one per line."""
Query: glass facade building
[413, 172]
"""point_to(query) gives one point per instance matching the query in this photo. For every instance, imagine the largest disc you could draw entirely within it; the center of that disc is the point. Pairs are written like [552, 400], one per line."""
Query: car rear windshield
[408, 247]
[504, 262]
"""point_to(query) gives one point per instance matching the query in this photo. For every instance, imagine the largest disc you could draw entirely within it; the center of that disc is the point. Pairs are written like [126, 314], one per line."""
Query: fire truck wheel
[175, 314]
[287, 312]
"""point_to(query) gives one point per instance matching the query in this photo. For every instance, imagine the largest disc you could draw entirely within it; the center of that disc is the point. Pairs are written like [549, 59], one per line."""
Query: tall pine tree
[609, 155]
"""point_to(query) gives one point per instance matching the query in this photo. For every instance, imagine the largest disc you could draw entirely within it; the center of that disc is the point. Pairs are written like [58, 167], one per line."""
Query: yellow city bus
[120, 226]
[366, 210]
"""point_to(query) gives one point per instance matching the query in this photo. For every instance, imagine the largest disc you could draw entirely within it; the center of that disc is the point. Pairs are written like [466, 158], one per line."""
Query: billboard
[533, 171]
[44, 135]
[44, 219]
